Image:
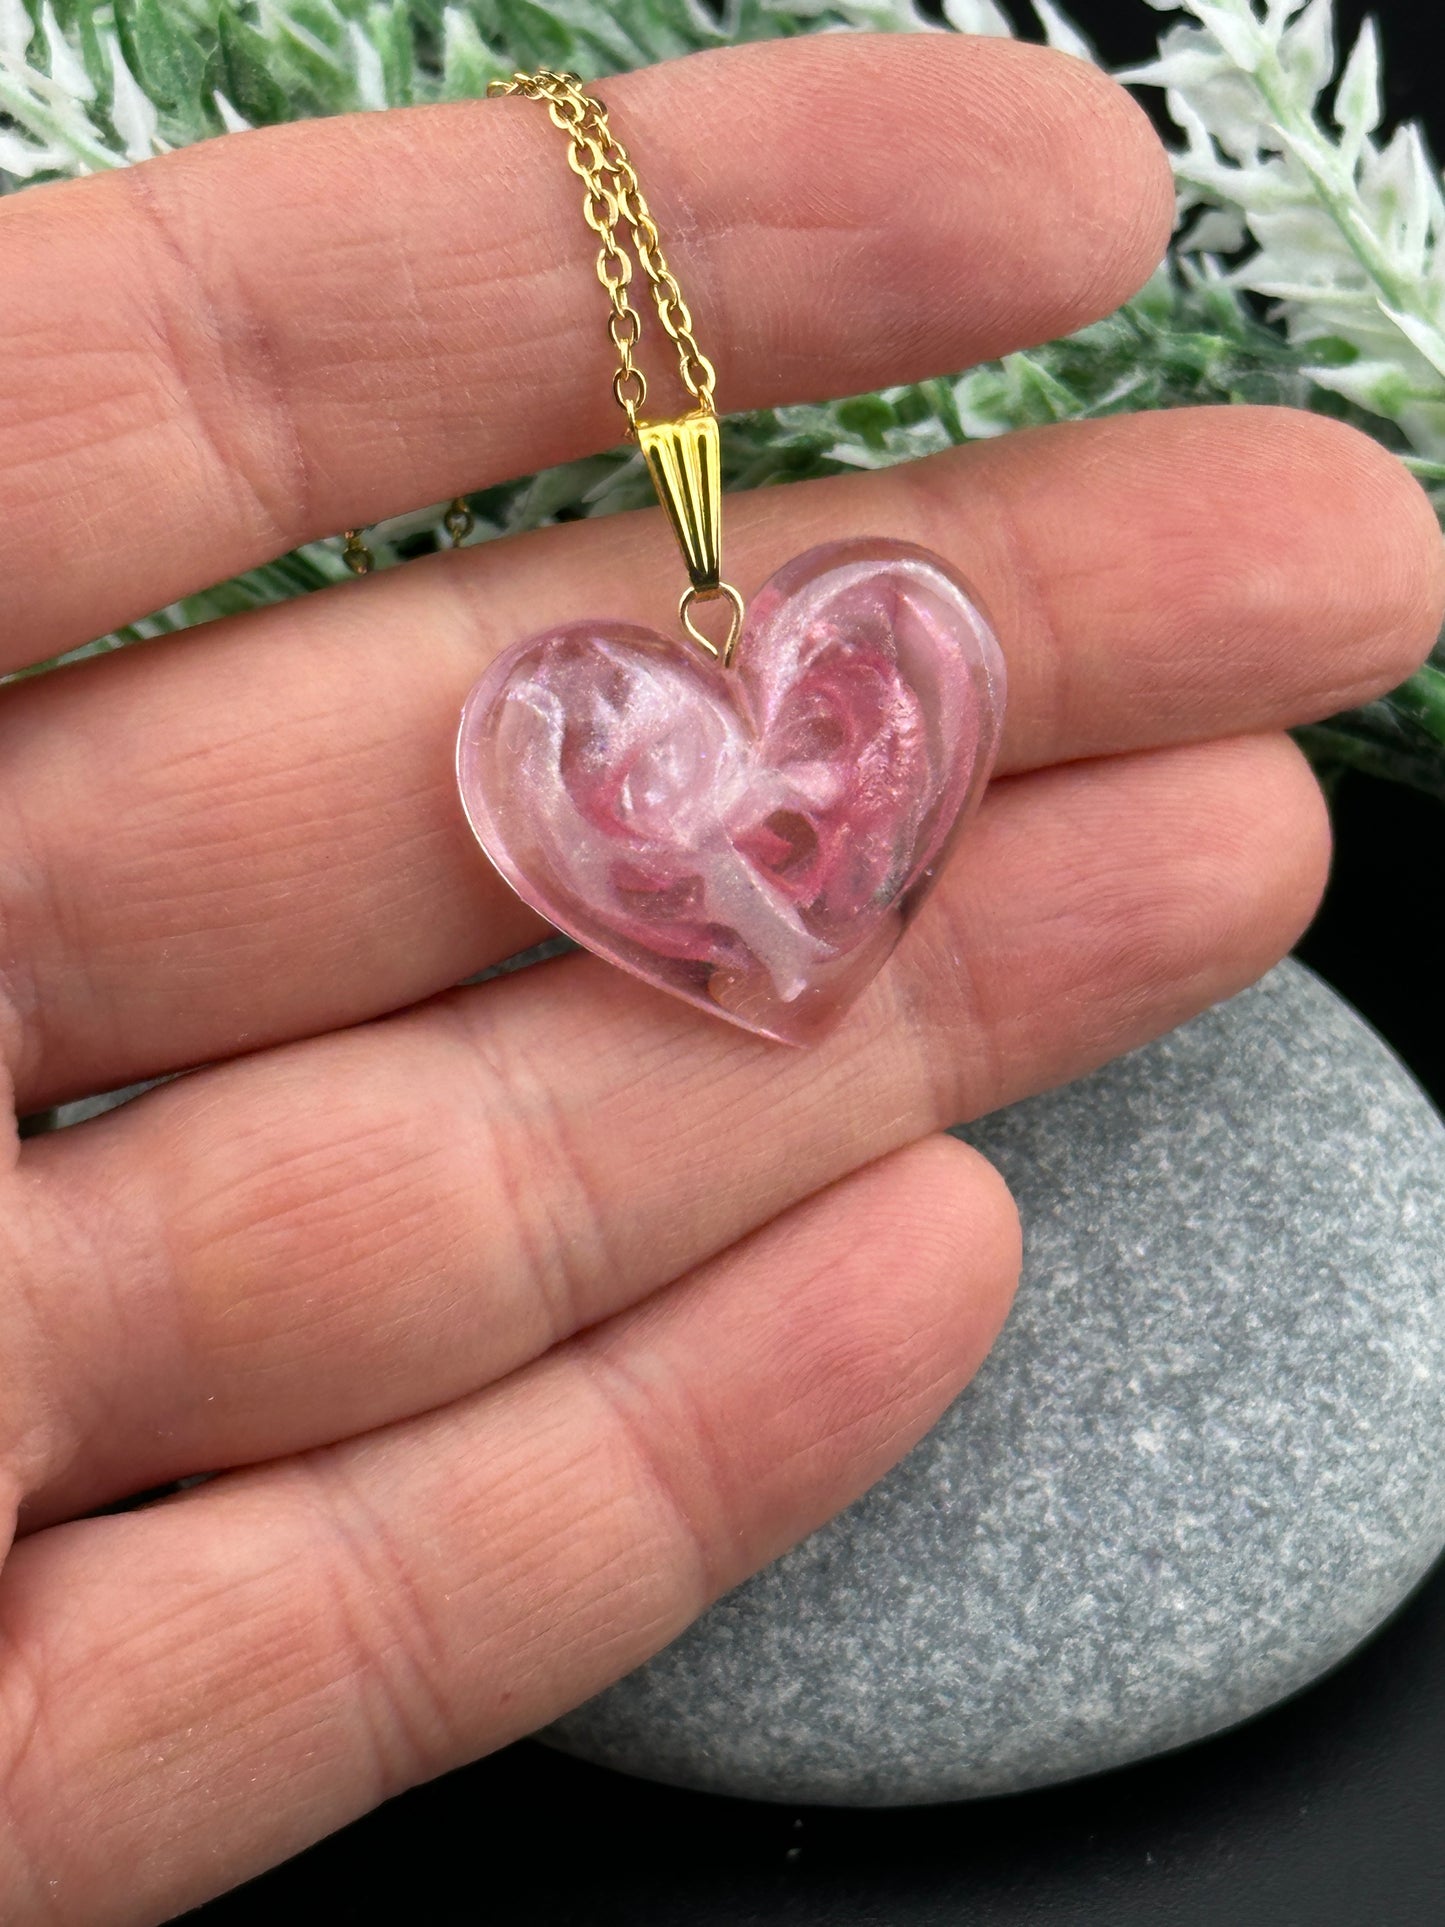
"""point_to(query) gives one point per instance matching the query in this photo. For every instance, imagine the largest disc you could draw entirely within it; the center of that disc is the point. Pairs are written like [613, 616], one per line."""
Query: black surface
[1380, 935]
[1328, 1812]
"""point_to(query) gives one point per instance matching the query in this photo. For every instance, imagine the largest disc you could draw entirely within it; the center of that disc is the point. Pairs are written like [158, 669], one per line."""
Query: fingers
[294, 1644]
[320, 1239]
[314, 326]
[214, 845]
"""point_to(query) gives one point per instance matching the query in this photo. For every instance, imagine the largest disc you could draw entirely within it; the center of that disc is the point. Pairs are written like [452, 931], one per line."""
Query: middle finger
[252, 834]
[326, 1237]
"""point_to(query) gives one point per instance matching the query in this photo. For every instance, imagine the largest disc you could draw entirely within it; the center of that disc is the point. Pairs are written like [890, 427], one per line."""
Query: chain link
[458, 523]
[612, 198]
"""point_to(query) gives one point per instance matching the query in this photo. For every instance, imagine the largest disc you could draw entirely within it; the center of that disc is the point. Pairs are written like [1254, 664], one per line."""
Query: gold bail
[684, 460]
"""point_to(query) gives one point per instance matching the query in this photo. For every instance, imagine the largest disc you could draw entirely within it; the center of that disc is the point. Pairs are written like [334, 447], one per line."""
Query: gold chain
[613, 195]
[458, 523]
[682, 455]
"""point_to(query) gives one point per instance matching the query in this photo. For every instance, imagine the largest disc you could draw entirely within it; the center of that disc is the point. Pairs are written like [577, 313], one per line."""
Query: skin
[522, 1320]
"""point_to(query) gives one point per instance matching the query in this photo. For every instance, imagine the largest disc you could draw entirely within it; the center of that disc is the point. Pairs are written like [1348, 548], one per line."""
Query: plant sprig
[1308, 268]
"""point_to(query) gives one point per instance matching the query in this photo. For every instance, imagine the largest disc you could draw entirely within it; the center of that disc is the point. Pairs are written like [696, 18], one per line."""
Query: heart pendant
[752, 839]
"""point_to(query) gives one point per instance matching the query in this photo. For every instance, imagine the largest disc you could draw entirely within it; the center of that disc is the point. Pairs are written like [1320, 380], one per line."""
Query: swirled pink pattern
[754, 839]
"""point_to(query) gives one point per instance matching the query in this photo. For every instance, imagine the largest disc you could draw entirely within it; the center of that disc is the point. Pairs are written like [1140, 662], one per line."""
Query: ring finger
[323, 1237]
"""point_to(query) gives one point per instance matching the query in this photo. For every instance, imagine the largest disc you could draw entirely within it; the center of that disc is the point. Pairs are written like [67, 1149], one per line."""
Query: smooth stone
[1202, 1463]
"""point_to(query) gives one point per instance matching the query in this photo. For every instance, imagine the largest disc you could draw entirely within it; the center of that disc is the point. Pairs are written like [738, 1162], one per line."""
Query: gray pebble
[1202, 1463]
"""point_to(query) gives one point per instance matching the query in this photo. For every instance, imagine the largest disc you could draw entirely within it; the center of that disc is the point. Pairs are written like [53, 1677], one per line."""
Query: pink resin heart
[752, 839]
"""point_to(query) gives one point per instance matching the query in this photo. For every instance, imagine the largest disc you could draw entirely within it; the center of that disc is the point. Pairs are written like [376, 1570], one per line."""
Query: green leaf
[672, 27]
[391, 33]
[867, 417]
[1422, 700]
[525, 34]
[1307, 50]
[92, 53]
[468, 63]
[240, 69]
[1331, 351]
[1236, 31]
[164, 58]
[310, 56]
[1358, 103]
[1044, 396]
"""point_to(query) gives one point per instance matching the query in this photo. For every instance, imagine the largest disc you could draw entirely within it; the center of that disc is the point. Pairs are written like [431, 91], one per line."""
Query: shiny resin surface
[752, 839]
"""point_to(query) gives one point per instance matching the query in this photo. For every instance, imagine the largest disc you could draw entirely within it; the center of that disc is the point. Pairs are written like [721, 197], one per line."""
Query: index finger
[310, 327]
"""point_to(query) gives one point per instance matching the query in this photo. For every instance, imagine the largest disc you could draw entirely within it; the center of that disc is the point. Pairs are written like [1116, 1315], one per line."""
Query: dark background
[1328, 1812]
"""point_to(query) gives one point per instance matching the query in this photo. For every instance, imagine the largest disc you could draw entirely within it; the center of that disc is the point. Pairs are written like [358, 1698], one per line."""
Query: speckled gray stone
[1205, 1459]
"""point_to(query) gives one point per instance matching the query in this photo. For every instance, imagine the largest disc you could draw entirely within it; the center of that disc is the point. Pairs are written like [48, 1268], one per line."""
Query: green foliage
[163, 57]
[1309, 270]
[240, 69]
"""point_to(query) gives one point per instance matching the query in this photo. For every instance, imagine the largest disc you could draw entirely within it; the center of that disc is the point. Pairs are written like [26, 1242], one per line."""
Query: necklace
[747, 820]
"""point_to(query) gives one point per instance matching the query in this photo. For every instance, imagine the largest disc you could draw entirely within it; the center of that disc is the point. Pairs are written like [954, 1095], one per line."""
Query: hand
[522, 1320]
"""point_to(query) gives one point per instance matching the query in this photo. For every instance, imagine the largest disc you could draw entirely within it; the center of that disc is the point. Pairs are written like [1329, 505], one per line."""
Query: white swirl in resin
[752, 839]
